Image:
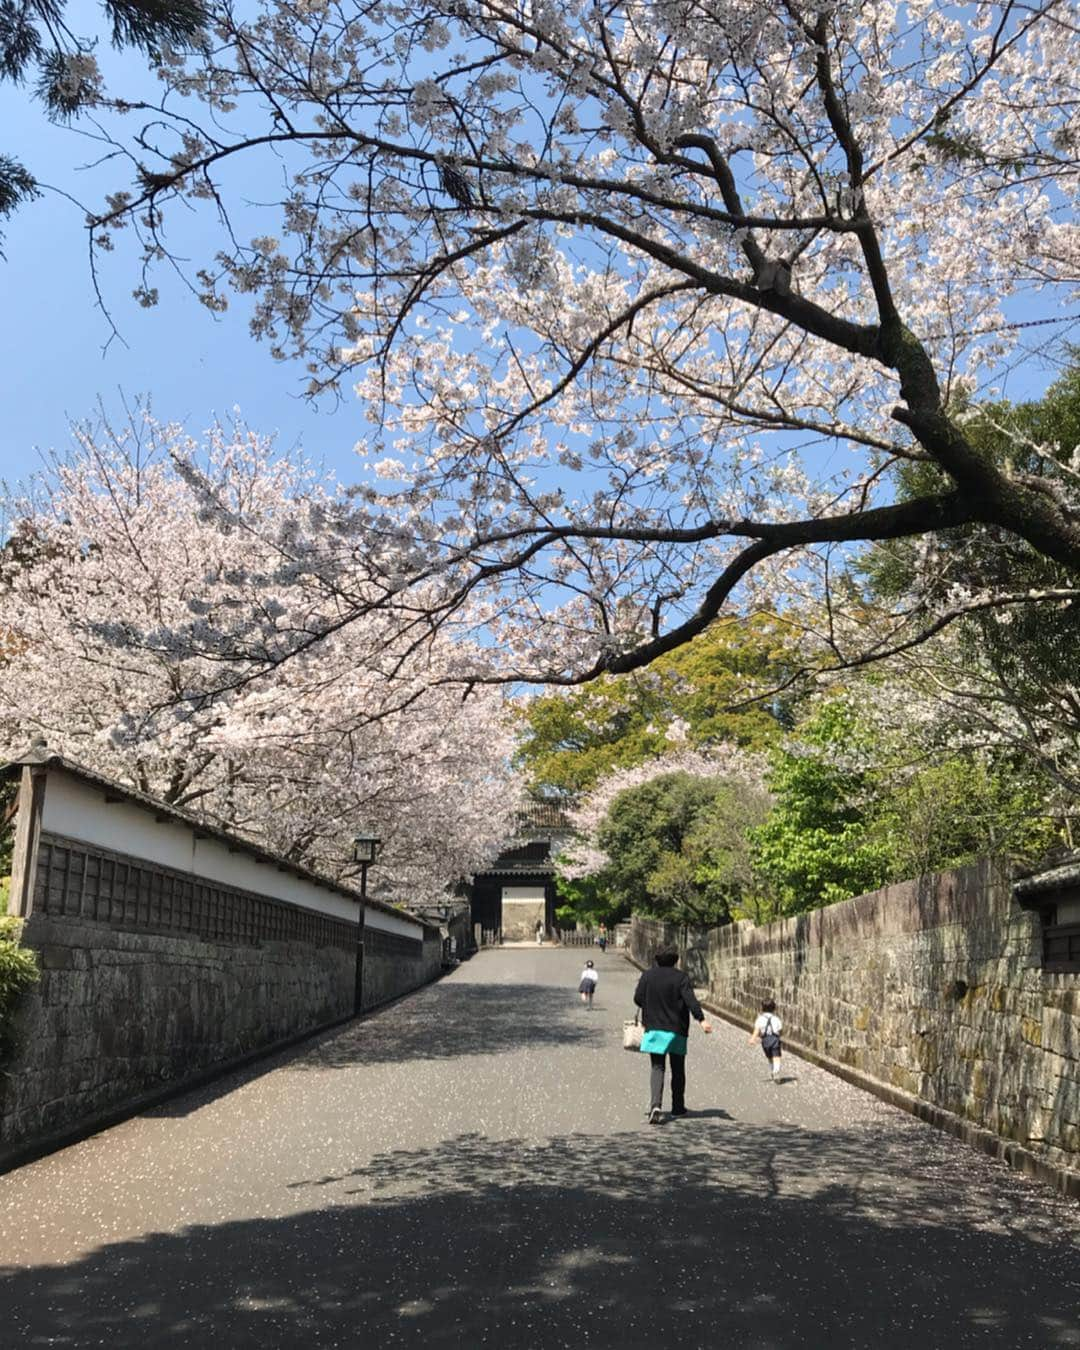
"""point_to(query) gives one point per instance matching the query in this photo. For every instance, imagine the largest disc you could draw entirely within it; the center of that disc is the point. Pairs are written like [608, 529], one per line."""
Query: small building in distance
[518, 889]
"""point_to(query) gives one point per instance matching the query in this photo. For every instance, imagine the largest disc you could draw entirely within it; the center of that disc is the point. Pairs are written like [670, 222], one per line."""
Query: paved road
[471, 1168]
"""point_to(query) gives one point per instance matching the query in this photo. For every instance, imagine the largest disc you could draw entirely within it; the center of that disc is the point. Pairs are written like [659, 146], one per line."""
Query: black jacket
[666, 999]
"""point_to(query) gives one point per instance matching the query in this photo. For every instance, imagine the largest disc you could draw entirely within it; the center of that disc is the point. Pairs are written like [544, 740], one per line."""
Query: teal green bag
[663, 1043]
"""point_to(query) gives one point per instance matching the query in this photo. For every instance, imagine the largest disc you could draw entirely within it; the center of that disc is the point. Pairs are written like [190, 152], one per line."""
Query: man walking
[667, 1002]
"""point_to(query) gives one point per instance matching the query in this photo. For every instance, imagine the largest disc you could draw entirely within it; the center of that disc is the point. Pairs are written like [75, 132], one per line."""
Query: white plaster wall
[522, 910]
[75, 809]
[391, 923]
[522, 894]
[79, 811]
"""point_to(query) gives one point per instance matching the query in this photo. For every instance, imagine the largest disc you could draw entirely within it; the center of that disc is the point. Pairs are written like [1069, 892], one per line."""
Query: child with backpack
[587, 984]
[767, 1030]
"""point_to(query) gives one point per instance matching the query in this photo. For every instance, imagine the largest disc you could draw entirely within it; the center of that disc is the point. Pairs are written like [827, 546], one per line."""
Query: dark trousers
[678, 1081]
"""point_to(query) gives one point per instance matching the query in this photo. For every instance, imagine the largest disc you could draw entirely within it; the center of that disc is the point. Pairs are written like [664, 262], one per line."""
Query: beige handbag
[632, 1033]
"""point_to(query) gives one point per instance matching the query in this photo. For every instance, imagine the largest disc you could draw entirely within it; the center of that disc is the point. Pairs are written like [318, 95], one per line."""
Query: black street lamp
[365, 852]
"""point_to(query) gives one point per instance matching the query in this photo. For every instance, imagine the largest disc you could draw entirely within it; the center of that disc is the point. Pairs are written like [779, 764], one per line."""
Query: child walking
[587, 984]
[767, 1030]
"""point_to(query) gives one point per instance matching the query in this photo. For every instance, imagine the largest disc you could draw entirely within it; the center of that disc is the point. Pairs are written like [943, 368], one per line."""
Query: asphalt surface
[471, 1167]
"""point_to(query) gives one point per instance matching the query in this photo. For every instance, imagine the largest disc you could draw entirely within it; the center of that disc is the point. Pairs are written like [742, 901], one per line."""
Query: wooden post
[29, 806]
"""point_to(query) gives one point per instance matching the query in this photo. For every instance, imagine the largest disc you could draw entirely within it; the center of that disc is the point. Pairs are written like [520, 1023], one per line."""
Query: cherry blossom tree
[119, 555]
[744, 770]
[954, 698]
[644, 301]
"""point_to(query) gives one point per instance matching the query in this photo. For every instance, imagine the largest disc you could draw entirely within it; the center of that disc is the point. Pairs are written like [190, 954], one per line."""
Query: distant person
[667, 1002]
[601, 939]
[539, 933]
[767, 1030]
[590, 977]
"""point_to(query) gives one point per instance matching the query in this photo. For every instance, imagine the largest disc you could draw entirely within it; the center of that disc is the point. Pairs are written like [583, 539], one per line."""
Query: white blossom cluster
[145, 612]
[645, 298]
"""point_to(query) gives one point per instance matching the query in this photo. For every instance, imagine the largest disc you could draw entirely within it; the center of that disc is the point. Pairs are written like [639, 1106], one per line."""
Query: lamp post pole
[358, 995]
[365, 852]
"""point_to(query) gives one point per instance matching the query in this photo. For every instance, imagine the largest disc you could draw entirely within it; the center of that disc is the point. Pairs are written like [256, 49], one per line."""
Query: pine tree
[36, 45]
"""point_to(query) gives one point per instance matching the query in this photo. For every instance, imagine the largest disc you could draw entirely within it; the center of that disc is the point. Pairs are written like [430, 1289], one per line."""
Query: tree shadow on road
[450, 1020]
[763, 1238]
[446, 1020]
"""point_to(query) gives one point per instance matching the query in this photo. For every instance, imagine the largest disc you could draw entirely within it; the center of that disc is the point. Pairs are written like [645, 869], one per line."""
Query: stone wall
[933, 988]
[394, 964]
[152, 977]
[645, 937]
[119, 1015]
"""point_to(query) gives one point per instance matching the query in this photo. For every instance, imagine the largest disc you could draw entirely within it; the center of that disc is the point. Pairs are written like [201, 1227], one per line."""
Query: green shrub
[18, 970]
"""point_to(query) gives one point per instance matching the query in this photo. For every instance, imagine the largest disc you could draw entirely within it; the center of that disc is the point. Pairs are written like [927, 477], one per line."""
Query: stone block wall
[152, 977]
[935, 988]
[647, 936]
[394, 963]
[119, 1015]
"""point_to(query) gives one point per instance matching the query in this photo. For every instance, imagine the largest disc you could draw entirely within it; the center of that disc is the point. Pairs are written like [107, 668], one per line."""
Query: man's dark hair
[667, 956]
[769, 1005]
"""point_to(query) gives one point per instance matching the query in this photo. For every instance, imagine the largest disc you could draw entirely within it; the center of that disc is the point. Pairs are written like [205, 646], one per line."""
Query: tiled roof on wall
[537, 813]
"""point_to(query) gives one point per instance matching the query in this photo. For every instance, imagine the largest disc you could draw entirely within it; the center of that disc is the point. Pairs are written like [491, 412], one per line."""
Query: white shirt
[768, 1024]
[589, 974]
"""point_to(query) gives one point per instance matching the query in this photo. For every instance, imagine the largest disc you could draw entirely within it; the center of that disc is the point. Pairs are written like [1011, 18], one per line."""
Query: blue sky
[191, 365]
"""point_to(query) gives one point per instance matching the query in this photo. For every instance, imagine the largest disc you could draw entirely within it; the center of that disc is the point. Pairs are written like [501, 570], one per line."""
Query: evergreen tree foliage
[1040, 439]
[854, 811]
[677, 849]
[38, 47]
[816, 847]
[961, 808]
[1006, 675]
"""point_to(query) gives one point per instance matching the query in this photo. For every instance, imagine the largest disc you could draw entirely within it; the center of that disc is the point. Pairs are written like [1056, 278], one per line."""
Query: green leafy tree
[966, 807]
[721, 844]
[677, 849]
[854, 809]
[817, 845]
[1003, 680]
[18, 970]
[571, 740]
[584, 903]
[1034, 651]
[9, 792]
